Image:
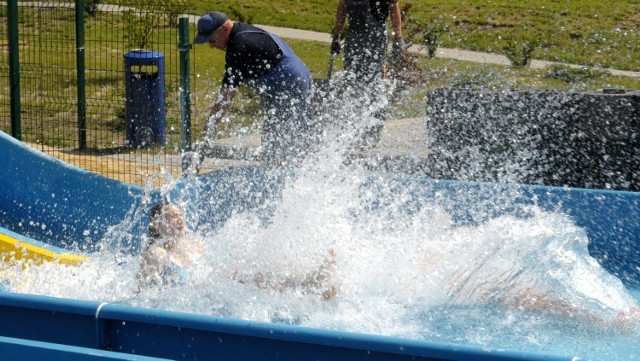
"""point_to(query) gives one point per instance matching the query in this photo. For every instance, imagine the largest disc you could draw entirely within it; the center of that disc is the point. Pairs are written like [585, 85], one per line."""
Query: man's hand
[218, 111]
[336, 47]
[398, 48]
[209, 130]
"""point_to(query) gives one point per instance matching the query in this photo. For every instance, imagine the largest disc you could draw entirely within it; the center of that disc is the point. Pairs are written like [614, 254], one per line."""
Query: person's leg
[289, 131]
[377, 76]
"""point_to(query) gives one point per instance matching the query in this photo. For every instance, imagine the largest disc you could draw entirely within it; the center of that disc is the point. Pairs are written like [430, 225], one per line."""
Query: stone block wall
[575, 139]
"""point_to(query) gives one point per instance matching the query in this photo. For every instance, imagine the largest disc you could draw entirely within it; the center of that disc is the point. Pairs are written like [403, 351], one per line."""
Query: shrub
[143, 17]
[91, 7]
[573, 75]
[520, 53]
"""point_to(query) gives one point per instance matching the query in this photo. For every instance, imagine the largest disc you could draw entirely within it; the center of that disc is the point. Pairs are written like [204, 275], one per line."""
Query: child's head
[166, 220]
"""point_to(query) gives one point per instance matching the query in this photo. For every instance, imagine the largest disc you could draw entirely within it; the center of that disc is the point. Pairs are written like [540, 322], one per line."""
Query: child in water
[540, 267]
[172, 250]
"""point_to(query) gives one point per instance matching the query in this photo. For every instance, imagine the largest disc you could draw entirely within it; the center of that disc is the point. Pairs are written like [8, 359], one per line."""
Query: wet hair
[156, 211]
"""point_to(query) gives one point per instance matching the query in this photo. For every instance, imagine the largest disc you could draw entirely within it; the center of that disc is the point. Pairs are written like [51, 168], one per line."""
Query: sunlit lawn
[586, 32]
[583, 32]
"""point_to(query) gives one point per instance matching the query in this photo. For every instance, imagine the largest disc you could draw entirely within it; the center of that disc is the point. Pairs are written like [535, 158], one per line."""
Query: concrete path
[399, 137]
[402, 149]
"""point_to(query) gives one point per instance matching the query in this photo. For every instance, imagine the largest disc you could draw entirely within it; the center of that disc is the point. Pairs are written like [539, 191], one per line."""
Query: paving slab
[402, 148]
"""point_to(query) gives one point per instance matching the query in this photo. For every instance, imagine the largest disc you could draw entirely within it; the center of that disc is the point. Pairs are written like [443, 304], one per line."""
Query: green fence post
[14, 69]
[185, 91]
[82, 99]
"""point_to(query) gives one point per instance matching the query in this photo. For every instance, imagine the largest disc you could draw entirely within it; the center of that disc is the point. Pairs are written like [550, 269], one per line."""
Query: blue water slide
[78, 208]
[62, 324]
[55, 202]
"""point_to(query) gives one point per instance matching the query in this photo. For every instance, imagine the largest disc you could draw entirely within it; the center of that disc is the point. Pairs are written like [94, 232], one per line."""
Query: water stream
[401, 265]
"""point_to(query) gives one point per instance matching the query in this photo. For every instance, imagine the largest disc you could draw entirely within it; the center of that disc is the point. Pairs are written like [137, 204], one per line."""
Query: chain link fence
[75, 110]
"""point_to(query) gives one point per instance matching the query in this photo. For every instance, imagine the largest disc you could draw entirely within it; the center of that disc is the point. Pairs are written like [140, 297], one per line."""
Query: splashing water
[401, 265]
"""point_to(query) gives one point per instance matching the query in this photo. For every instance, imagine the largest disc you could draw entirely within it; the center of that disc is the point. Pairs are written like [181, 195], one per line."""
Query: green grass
[48, 77]
[586, 32]
[434, 73]
[590, 33]
[568, 30]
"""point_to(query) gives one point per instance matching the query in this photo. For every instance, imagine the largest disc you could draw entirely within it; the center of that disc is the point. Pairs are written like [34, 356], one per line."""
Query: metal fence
[72, 81]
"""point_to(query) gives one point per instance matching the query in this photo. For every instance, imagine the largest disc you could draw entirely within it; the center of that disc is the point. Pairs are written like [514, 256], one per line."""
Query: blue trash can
[145, 109]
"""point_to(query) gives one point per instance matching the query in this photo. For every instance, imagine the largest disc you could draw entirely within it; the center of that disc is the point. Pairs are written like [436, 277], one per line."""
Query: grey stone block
[575, 139]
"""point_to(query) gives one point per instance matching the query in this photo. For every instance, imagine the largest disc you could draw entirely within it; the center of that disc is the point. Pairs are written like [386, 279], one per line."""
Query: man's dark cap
[207, 24]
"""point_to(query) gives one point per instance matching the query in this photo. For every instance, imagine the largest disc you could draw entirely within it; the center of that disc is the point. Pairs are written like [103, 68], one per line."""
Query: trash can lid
[143, 54]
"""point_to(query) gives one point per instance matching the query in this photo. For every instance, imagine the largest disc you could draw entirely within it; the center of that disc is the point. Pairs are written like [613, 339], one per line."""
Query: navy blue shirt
[380, 9]
[251, 53]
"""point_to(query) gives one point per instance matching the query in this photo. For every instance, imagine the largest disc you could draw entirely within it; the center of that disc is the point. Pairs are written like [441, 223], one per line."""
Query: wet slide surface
[67, 210]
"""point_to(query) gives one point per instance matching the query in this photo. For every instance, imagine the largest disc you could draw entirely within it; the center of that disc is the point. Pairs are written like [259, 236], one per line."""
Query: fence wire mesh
[49, 83]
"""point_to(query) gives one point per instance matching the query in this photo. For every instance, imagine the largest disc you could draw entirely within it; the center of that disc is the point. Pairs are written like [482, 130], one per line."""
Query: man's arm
[219, 109]
[398, 48]
[396, 19]
[341, 18]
